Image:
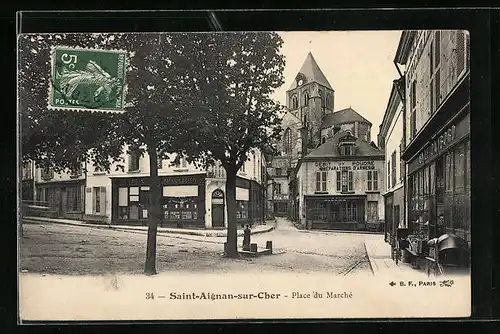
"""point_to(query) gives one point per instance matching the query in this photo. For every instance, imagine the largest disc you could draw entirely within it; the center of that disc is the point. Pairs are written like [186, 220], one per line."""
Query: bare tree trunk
[232, 235]
[154, 211]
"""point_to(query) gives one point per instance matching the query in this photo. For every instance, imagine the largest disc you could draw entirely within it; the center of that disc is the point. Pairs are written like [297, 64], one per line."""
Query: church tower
[310, 97]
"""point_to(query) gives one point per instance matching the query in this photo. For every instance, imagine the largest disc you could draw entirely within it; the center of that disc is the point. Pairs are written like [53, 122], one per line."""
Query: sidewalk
[379, 255]
[270, 225]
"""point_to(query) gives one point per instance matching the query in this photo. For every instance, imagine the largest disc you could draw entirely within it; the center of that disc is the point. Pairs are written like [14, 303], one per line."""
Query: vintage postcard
[244, 175]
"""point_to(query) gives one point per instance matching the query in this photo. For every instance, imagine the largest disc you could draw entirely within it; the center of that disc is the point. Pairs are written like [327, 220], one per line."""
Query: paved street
[62, 249]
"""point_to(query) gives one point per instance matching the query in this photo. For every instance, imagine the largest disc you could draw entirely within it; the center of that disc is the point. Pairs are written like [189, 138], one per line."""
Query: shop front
[183, 200]
[65, 198]
[335, 212]
[439, 187]
[394, 212]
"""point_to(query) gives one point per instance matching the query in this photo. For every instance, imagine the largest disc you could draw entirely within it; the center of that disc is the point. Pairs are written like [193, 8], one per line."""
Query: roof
[390, 111]
[404, 46]
[329, 149]
[312, 73]
[346, 115]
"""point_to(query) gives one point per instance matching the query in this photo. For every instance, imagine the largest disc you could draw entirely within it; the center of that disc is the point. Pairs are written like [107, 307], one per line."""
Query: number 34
[69, 59]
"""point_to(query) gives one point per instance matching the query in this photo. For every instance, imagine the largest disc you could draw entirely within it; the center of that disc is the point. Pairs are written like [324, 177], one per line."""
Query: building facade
[339, 185]
[278, 195]
[190, 196]
[335, 176]
[437, 152]
[391, 140]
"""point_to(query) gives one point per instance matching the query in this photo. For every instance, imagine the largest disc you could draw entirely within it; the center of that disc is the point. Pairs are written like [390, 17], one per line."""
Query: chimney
[304, 134]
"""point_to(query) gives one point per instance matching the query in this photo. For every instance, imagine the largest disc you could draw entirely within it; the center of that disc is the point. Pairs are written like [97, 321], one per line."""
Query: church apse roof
[312, 73]
[347, 115]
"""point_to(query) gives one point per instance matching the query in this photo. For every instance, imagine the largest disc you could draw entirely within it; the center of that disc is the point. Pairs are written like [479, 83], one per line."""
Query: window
[435, 79]
[393, 167]
[306, 98]
[323, 140]
[372, 214]
[321, 181]
[27, 171]
[74, 199]
[344, 181]
[329, 101]
[277, 188]
[241, 210]
[159, 162]
[461, 52]
[47, 174]
[180, 208]
[287, 141]
[350, 211]
[279, 171]
[413, 104]
[133, 161]
[347, 149]
[388, 175]
[320, 211]
[372, 180]
[402, 169]
[322, 98]
[99, 200]
[295, 102]
[242, 168]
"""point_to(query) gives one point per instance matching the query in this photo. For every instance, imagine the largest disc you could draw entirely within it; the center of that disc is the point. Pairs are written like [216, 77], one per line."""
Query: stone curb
[341, 231]
[370, 260]
[160, 230]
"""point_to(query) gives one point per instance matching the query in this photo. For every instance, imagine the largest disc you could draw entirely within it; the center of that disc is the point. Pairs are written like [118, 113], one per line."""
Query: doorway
[217, 208]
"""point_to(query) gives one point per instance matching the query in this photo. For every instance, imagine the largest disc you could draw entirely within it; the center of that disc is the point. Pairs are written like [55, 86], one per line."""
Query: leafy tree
[152, 123]
[232, 82]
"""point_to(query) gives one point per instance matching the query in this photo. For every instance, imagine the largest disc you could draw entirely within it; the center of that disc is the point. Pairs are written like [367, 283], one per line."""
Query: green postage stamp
[87, 79]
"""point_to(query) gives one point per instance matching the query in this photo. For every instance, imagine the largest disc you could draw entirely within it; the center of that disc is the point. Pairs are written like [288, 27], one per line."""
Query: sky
[358, 65]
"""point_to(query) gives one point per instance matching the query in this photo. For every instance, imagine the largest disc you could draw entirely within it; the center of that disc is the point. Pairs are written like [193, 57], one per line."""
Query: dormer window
[347, 149]
[347, 145]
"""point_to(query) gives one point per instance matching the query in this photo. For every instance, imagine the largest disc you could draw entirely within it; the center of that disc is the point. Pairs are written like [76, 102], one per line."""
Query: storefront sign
[441, 144]
[281, 197]
[345, 165]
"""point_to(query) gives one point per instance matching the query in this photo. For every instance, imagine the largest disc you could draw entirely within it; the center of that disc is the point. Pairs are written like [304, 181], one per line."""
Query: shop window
[133, 161]
[183, 208]
[241, 210]
[351, 212]
[344, 181]
[372, 214]
[74, 199]
[320, 211]
[372, 180]
[321, 181]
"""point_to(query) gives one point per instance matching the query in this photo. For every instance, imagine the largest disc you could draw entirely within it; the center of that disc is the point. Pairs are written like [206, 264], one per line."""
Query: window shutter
[94, 199]
[103, 200]
[460, 52]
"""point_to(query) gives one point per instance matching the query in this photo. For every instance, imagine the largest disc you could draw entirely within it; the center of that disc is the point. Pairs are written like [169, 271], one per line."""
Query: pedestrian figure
[246, 238]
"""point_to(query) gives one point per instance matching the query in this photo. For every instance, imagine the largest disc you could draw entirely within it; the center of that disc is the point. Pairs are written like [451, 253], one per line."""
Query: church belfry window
[322, 98]
[306, 98]
[295, 102]
[329, 101]
[287, 141]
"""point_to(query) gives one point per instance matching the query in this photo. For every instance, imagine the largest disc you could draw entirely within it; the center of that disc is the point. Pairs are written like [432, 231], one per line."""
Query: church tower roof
[311, 72]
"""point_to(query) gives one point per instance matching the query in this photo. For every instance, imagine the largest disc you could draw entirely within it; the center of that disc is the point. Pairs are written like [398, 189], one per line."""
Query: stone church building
[335, 172]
